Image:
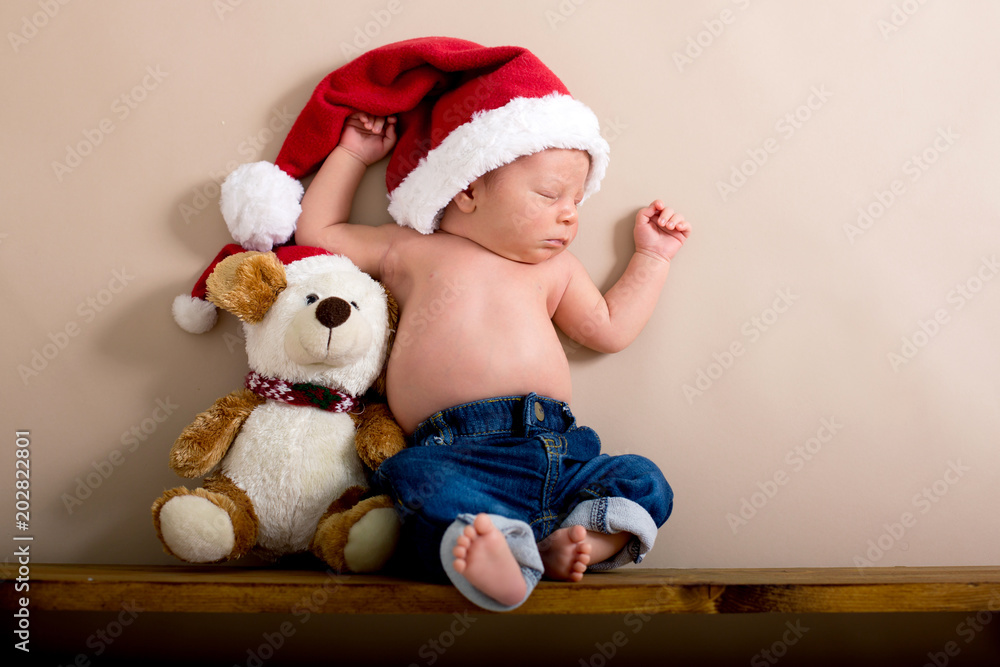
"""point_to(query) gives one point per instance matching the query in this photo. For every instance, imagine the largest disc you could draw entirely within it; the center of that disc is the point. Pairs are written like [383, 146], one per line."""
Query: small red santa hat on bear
[462, 109]
[196, 314]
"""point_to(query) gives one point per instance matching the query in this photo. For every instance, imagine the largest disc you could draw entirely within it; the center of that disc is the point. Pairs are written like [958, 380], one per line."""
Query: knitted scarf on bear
[300, 393]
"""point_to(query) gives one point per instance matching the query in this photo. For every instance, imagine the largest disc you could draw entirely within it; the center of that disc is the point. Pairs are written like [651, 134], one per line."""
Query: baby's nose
[569, 213]
[333, 311]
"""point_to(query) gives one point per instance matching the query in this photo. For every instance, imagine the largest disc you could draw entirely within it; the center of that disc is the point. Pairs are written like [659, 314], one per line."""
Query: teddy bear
[287, 455]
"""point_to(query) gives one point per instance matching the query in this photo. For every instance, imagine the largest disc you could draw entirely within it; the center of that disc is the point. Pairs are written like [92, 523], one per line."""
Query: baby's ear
[466, 199]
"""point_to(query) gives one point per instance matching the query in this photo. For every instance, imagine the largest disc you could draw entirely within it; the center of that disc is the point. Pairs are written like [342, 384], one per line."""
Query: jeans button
[539, 411]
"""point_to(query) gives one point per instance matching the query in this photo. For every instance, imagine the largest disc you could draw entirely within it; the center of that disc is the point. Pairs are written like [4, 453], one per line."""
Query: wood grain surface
[54, 587]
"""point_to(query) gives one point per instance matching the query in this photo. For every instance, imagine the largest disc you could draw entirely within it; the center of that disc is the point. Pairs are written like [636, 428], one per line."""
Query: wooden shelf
[637, 590]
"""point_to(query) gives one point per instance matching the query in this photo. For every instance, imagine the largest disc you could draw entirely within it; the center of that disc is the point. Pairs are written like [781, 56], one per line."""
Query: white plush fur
[194, 315]
[490, 140]
[196, 529]
[293, 462]
[260, 204]
[371, 530]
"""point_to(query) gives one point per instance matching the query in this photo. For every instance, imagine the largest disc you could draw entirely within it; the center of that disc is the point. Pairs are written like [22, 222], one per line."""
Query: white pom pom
[260, 204]
[194, 315]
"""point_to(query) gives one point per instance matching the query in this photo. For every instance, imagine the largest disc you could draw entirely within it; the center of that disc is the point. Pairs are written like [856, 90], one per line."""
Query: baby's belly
[430, 375]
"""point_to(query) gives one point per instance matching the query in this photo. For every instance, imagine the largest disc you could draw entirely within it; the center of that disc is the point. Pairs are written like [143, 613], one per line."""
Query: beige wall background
[819, 382]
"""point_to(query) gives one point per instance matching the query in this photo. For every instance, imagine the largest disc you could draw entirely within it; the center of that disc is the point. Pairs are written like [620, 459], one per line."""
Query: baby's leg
[483, 557]
[492, 560]
[568, 551]
[631, 501]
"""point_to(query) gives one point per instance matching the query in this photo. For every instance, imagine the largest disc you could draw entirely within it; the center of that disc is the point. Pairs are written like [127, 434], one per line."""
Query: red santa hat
[462, 109]
[196, 314]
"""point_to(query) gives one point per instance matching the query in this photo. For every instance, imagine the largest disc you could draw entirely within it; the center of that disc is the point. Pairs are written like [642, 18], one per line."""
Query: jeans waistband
[518, 416]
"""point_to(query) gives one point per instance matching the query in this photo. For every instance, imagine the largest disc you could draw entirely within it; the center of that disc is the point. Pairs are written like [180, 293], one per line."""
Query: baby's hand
[659, 231]
[368, 138]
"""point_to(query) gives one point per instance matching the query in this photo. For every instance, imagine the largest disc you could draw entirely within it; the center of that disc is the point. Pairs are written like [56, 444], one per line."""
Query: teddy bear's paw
[359, 539]
[196, 530]
[372, 540]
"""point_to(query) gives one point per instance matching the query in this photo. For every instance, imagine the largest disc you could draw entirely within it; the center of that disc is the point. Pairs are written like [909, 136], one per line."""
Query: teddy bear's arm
[204, 442]
[378, 436]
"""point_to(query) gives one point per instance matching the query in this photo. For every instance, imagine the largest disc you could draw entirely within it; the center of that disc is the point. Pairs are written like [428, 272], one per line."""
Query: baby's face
[527, 210]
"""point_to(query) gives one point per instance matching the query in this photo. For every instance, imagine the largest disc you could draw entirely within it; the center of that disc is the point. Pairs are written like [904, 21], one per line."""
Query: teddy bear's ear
[393, 308]
[247, 284]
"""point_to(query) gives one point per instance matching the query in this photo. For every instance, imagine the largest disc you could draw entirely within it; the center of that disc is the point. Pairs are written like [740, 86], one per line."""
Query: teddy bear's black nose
[333, 311]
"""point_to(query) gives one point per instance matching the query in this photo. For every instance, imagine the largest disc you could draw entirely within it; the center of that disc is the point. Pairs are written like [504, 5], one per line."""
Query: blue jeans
[524, 461]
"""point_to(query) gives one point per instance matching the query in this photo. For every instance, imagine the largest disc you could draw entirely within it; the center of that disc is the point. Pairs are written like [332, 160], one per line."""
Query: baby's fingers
[674, 221]
[665, 218]
[648, 214]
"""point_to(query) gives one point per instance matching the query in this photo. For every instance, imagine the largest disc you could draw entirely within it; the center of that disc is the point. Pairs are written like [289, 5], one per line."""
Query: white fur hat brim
[524, 126]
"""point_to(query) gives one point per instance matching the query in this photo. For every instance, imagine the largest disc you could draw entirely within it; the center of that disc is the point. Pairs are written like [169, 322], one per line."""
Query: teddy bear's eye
[355, 304]
[312, 298]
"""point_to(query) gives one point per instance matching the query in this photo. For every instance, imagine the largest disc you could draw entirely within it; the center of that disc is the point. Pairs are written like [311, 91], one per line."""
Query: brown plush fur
[378, 436]
[247, 284]
[222, 492]
[331, 535]
[348, 499]
[245, 521]
[204, 442]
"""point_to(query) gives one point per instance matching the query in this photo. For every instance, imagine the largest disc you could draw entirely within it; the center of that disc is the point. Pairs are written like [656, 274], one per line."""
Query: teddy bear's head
[317, 320]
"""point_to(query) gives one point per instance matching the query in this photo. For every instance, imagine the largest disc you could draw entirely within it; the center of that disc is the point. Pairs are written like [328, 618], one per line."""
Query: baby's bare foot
[566, 553]
[484, 559]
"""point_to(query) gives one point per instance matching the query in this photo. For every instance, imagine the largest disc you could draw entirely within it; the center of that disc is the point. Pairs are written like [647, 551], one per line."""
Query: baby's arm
[610, 322]
[326, 205]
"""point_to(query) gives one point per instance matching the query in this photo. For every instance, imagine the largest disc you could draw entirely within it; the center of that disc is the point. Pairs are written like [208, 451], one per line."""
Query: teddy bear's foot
[360, 539]
[204, 526]
[372, 540]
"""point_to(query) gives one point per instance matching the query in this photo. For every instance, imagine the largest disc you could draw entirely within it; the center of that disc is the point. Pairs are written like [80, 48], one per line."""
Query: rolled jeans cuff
[521, 541]
[616, 515]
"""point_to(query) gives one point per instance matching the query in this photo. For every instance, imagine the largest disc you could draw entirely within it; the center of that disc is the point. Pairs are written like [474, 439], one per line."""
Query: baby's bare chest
[488, 292]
